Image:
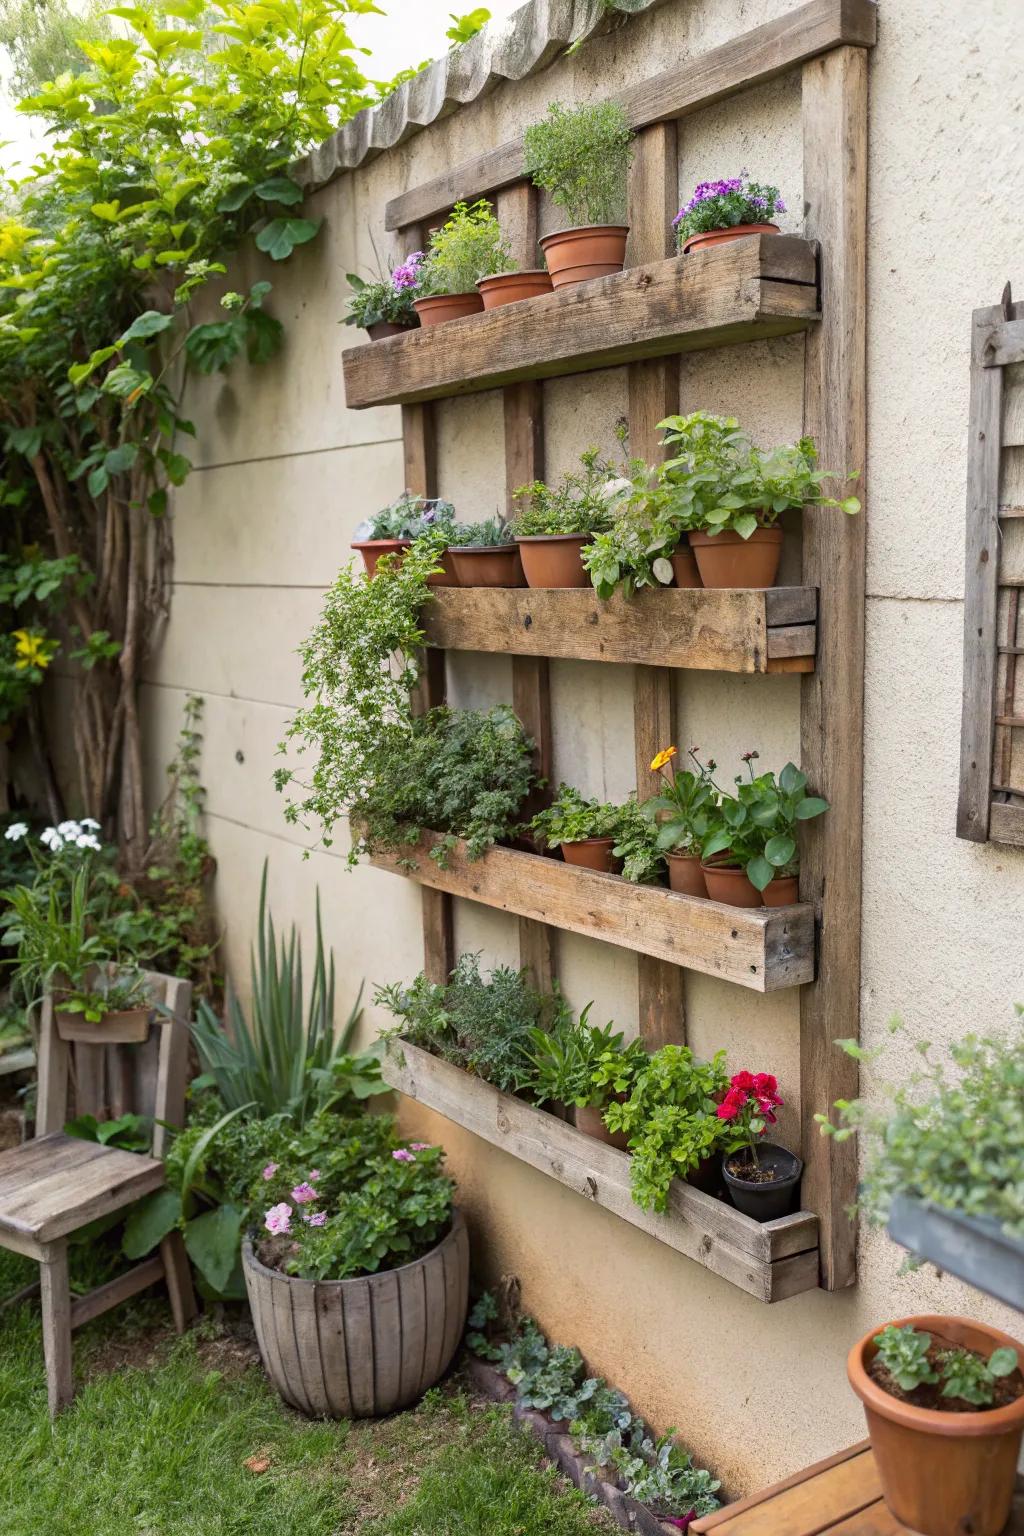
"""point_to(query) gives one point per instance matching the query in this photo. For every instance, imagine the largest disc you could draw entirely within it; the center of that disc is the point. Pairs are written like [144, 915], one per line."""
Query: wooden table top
[840, 1495]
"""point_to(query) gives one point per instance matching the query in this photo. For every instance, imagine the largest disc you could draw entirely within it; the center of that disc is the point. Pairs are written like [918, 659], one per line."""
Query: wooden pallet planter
[770, 1260]
[702, 629]
[745, 290]
[762, 948]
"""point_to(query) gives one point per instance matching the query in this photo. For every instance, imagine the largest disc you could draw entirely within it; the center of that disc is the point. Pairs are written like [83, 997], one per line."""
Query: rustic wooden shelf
[762, 948]
[771, 1260]
[765, 285]
[724, 631]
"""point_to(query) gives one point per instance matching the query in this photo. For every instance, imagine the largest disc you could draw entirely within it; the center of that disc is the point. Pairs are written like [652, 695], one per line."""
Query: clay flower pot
[384, 328]
[511, 287]
[942, 1473]
[591, 1122]
[732, 886]
[592, 853]
[126, 1026]
[781, 893]
[727, 560]
[721, 236]
[685, 874]
[447, 306]
[577, 255]
[481, 565]
[553, 560]
[768, 1199]
[684, 564]
[372, 550]
[447, 576]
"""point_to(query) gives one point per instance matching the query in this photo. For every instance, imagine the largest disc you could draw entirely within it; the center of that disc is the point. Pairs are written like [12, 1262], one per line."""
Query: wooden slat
[741, 1506]
[702, 629]
[834, 107]
[1001, 343]
[813, 1502]
[140, 1278]
[764, 53]
[760, 286]
[763, 1259]
[55, 1305]
[74, 1188]
[1006, 824]
[762, 948]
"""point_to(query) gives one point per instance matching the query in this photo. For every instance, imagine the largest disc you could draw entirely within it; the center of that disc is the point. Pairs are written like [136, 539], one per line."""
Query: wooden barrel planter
[357, 1349]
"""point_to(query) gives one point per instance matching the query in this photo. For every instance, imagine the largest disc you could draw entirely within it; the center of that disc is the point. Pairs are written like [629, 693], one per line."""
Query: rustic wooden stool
[841, 1496]
[53, 1186]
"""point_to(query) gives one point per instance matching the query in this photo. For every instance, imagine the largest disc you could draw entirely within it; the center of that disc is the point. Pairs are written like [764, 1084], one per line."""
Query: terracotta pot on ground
[727, 560]
[553, 560]
[721, 236]
[781, 893]
[482, 565]
[684, 564]
[685, 874]
[334, 1348]
[126, 1026]
[382, 328]
[591, 1122]
[512, 287]
[942, 1474]
[733, 886]
[772, 1198]
[447, 306]
[577, 255]
[592, 853]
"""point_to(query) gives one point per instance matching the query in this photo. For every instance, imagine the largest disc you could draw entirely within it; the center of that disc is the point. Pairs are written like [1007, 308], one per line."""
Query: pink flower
[302, 1194]
[270, 1170]
[279, 1219]
[765, 1085]
[314, 1218]
[402, 1156]
[732, 1104]
[314, 1175]
[419, 1146]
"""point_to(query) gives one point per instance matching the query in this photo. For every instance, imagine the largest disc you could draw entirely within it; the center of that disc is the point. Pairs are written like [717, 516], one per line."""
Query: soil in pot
[781, 892]
[488, 566]
[447, 306]
[383, 328]
[946, 1467]
[733, 886]
[593, 853]
[553, 560]
[727, 560]
[591, 1122]
[685, 874]
[766, 1189]
[512, 287]
[684, 565]
[577, 255]
[721, 236]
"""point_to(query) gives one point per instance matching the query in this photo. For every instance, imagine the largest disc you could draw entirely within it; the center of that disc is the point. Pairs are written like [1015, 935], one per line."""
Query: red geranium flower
[764, 1085]
[734, 1102]
[745, 1080]
[766, 1107]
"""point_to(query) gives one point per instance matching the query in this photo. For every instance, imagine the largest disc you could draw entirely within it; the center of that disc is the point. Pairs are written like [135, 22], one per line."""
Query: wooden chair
[56, 1184]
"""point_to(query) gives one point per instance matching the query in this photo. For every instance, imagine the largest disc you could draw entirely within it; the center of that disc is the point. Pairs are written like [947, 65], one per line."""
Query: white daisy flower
[52, 839]
[89, 824]
[16, 830]
[87, 841]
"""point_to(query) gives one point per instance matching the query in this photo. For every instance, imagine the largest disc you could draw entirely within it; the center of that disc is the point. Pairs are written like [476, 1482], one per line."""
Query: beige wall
[285, 474]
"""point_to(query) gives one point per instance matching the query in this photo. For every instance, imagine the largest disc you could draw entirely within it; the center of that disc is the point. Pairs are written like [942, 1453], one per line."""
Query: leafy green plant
[116, 992]
[132, 1133]
[671, 1120]
[572, 818]
[379, 300]
[904, 1354]
[52, 927]
[581, 157]
[637, 846]
[578, 1063]
[683, 812]
[581, 503]
[467, 247]
[407, 518]
[756, 828]
[724, 204]
[492, 533]
[463, 28]
[972, 1379]
[635, 551]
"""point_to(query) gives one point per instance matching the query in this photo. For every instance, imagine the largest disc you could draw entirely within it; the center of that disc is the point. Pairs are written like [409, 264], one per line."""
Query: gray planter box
[972, 1248]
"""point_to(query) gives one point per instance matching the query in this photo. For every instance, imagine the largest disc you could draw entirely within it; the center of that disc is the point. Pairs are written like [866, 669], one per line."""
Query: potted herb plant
[469, 246]
[384, 307]
[585, 830]
[558, 521]
[670, 1120]
[750, 854]
[727, 210]
[944, 1402]
[761, 1179]
[646, 544]
[581, 157]
[583, 1067]
[394, 528]
[684, 810]
[485, 554]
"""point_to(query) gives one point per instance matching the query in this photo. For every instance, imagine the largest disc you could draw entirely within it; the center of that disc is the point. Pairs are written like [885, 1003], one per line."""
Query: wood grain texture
[768, 1260]
[104, 1297]
[699, 628]
[516, 209]
[71, 1187]
[1006, 824]
[834, 110]
[810, 1502]
[760, 286]
[761, 54]
[761, 948]
[55, 1305]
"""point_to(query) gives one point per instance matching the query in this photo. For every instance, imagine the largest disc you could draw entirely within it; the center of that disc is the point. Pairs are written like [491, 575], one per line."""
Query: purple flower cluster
[733, 185]
[408, 274]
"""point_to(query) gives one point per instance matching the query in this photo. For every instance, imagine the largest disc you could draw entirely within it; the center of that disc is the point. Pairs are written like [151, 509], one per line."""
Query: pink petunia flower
[314, 1218]
[314, 1175]
[402, 1156]
[279, 1219]
[270, 1170]
[419, 1146]
[302, 1194]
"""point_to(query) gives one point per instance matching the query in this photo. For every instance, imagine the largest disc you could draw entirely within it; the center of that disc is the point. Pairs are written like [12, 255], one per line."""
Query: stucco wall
[285, 474]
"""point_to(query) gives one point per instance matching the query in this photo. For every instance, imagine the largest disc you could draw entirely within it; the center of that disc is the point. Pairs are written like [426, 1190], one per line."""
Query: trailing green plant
[492, 533]
[581, 503]
[952, 1134]
[683, 813]
[467, 247]
[671, 1120]
[285, 1057]
[407, 518]
[756, 828]
[725, 204]
[581, 157]
[578, 1063]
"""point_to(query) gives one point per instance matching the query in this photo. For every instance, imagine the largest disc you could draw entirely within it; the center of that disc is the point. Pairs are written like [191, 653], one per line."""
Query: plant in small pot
[110, 1004]
[585, 830]
[486, 554]
[559, 521]
[582, 1067]
[581, 157]
[683, 814]
[761, 1179]
[397, 526]
[671, 1123]
[384, 306]
[647, 545]
[750, 854]
[727, 210]
[469, 246]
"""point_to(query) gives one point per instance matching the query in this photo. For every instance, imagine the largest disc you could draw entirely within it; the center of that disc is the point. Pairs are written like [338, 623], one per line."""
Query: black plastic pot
[773, 1198]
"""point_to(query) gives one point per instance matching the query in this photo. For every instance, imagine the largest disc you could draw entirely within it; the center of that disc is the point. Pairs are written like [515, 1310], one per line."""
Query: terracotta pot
[447, 576]
[942, 1474]
[372, 550]
[496, 565]
[447, 306]
[553, 560]
[592, 853]
[684, 564]
[685, 874]
[733, 886]
[126, 1026]
[781, 893]
[720, 236]
[591, 1122]
[727, 560]
[383, 328]
[577, 255]
[511, 287]
[773, 1198]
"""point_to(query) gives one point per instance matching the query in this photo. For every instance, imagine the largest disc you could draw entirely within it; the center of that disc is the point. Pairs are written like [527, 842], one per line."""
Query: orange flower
[664, 756]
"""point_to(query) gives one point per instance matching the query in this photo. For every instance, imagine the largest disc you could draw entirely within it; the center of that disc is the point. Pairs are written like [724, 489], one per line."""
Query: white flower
[87, 841]
[89, 824]
[615, 488]
[16, 830]
[52, 839]
[69, 829]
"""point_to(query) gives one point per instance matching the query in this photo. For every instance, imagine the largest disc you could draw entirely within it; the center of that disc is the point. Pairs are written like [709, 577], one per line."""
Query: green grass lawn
[158, 1439]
